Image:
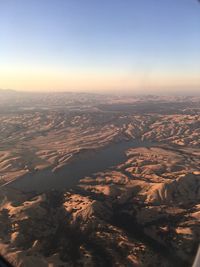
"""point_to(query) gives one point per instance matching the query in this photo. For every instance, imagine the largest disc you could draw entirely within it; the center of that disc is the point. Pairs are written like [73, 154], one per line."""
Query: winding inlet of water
[85, 164]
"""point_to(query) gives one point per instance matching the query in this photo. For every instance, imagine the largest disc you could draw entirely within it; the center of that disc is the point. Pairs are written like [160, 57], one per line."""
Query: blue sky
[100, 44]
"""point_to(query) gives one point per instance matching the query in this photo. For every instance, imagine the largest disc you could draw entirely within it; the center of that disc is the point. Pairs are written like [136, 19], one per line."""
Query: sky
[100, 45]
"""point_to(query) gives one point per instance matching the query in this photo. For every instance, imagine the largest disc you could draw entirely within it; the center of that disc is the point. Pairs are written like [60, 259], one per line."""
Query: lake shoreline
[85, 164]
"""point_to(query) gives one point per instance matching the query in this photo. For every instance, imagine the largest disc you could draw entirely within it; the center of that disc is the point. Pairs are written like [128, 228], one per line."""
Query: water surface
[85, 164]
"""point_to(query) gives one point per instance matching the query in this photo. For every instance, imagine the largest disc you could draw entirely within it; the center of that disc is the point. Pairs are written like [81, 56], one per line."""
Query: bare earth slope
[142, 210]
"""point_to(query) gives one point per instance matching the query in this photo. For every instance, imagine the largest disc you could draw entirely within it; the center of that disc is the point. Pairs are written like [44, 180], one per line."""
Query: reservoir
[85, 164]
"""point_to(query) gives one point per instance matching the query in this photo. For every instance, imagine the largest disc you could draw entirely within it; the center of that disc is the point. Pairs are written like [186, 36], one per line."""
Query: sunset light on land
[149, 46]
[99, 133]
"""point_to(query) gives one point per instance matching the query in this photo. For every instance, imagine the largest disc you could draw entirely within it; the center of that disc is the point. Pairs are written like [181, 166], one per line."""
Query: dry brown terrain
[143, 211]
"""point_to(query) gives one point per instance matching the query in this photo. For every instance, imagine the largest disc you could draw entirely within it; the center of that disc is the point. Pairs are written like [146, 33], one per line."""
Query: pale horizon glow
[50, 80]
[99, 46]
